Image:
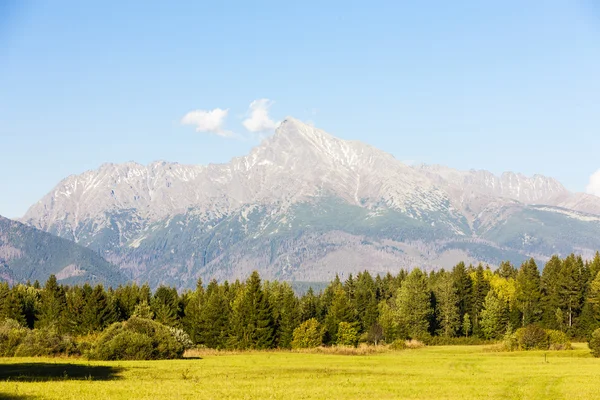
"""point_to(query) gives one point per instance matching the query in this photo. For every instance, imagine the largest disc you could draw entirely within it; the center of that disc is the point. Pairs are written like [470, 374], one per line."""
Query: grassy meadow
[444, 372]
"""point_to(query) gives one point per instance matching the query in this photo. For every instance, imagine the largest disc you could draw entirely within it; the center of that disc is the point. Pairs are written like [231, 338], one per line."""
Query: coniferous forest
[467, 303]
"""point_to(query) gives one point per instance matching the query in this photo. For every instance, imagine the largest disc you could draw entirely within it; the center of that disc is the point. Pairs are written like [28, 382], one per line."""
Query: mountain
[29, 254]
[305, 205]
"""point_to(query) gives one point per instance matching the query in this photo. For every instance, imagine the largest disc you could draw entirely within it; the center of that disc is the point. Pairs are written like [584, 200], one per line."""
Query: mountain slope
[304, 205]
[29, 254]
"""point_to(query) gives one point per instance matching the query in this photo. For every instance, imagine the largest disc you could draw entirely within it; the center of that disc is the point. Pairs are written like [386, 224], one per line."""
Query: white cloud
[594, 186]
[259, 120]
[210, 121]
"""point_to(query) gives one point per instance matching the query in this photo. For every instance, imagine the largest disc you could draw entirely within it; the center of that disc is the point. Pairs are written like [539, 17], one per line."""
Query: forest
[467, 304]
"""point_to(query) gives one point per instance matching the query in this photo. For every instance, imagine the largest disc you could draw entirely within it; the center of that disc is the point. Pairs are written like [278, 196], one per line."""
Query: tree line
[466, 301]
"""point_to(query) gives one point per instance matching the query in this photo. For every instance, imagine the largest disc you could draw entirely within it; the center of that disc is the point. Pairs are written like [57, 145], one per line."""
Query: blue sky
[506, 85]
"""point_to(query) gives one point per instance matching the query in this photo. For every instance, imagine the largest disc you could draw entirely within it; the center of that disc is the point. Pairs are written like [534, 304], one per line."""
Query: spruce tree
[494, 316]
[52, 306]
[550, 290]
[527, 292]
[572, 288]
[480, 290]
[447, 305]
[413, 306]
[341, 310]
[365, 301]
[214, 326]
[252, 321]
[464, 287]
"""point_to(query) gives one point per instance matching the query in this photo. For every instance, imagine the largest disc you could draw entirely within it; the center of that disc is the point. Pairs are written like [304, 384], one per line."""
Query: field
[458, 372]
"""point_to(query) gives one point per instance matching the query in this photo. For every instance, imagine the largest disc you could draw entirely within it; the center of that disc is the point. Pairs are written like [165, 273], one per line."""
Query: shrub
[182, 337]
[347, 335]
[11, 336]
[532, 337]
[137, 339]
[509, 342]
[558, 340]
[398, 344]
[46, 342]
[308, 335]
[594, 343]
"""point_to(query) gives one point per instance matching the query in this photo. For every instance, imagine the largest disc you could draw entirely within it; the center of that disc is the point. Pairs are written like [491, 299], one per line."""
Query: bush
[594, 343]
[182, 337]
[398, 344]
[16, 340]
[532, 337]
[558, 340]
[11, 336]
[308, 335]
[510, 342]
[46, 342]
[137, 339]
[347, 335]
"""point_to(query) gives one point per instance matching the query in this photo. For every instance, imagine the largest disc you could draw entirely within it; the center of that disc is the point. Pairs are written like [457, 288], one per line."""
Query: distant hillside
[29, 254]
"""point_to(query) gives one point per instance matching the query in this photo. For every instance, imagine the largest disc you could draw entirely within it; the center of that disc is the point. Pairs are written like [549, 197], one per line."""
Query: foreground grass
[458, 372]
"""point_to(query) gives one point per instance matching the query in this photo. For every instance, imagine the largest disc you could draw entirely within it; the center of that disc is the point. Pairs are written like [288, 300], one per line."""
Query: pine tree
[413, 306]
[466, 324]
[594, 266]
[192, 321]
[98, 312]
[214, 328]
[528, 292]
[550, 291]
[309, 305]
[494, 316]
[506, 270]
[52, 306]
[464, 287]
[447, 305]
[572, 288]
[480, 290]
[365, 301]
[165, 306]
[341, 310]
[287, 311]
[252, 320]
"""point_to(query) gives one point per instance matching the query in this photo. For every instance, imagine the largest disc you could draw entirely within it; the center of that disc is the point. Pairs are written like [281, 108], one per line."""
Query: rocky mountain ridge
[173, 222]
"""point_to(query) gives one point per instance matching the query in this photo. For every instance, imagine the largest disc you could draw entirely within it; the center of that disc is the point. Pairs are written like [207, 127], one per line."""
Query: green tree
[215, 317]
[53, 304]
[447, 305]
[494, 316]
[550, 294]
[464, 288]
[347, 335]
[308, 335]
[166, 306]
[98, 311]
[413, 305]
[480, 290]
[341, 310]
[387, 321]
[528, 292]
[252, 320]
[466, 324]
[365, 301]
[571, 291]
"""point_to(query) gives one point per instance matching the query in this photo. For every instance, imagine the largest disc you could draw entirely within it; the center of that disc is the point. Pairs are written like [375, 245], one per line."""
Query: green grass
[458, 372]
